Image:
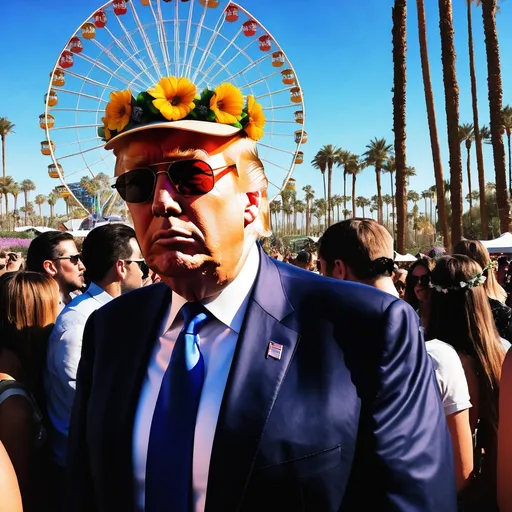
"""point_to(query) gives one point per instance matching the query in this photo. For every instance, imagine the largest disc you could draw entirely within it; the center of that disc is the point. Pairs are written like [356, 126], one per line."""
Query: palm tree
[299, 207]
[6, 128]
[320, 209]
[414, 197]
[425, 195]
[337, 201]
[14, 190]
[329, 155]
[399, 100]
[467, 135]
[495, 111]
[387, 200]
[52, 200]
[309, 196]
[506, 119]
[40, 200]
[451, 93]
[346, 213]
[344, 157]
[362, 202]
[26, 187]
[319, 163]
[432, 122]
[409, 173]
[476, 122]
[5, 185]
[390, 167]
[355, 167]
[377, 155]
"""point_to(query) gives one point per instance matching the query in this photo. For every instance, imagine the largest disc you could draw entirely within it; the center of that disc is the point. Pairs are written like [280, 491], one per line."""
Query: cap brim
[208, 128]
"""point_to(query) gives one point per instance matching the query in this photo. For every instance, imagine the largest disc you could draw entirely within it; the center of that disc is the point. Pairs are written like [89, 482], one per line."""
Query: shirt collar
[230, 305]
[99, 294]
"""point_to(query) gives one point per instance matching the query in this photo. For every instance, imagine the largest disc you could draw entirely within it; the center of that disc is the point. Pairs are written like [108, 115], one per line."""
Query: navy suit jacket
[348, 419]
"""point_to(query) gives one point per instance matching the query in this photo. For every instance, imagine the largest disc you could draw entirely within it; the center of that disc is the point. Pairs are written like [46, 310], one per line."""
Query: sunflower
[174, 97]
[227, 104]
[119, 110]
[108, 135]
[256, 124]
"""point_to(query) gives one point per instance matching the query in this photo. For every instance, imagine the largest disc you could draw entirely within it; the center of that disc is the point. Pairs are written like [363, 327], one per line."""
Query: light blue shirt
[62, 358]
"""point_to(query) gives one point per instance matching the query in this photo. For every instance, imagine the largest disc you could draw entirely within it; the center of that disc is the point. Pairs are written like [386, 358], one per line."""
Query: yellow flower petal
[169, 86]
[255, 126]
[173, 97]
[227, 103]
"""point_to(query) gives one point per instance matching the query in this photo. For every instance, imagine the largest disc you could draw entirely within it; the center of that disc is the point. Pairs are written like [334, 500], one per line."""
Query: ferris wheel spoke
[103, 68]
[115, 60]
[177, 47]
[187, 36]
[147, 43]
[161, 35]
[275, 165]
[230, 44]
[282, 106]
[75, 142]
[276, 149]
[259, 80]
[89, 80]
[196, 42]
[76, 126]
[83, 95]
[78, 153]
[283, 122]
[272, 93]
[65, 109]
[209, 45]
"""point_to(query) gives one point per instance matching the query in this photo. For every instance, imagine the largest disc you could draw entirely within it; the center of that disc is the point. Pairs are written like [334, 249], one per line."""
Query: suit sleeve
[79, 490]
[414, 459]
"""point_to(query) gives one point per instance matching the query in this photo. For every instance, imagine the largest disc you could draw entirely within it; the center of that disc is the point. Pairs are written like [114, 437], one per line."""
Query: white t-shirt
[450, 376]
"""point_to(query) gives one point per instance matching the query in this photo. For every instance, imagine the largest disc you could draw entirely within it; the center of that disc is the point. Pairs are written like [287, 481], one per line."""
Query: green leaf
[101, 132]
[206, 96]
[237, 125]
[211, 115]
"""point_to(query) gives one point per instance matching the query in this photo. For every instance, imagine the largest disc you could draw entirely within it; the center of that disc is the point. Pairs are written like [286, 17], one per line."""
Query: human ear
[120, 269]
[49, 268]
[340, 270]
[252, 207]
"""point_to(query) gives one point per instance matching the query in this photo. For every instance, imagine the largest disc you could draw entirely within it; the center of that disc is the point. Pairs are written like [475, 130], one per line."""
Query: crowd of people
[459, 299]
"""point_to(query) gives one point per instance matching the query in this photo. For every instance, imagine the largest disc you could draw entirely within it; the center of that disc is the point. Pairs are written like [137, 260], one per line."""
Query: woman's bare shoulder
[9, 489]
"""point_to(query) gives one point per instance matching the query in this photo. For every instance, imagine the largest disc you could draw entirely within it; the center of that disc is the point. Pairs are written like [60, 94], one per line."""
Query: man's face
[133, 278]
[186, 237]
[70, 275]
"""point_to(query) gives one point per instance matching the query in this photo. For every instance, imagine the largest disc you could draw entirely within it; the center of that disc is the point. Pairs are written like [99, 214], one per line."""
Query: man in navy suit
[314, 394]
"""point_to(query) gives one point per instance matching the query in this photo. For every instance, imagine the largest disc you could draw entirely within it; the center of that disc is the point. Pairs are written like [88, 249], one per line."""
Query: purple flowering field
[14, 242]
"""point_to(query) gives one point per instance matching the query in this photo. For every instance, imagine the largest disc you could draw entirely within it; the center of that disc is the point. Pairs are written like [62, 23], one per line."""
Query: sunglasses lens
[74, 259]
[145, 269]
[192, 177]
[136, 186]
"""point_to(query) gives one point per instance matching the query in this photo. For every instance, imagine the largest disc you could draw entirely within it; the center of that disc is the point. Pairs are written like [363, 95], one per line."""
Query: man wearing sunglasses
[239, 383]
[55, 253]
[114, 266]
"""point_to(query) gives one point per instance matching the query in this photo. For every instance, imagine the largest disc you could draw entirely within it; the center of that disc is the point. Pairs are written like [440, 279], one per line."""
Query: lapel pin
[274, 350]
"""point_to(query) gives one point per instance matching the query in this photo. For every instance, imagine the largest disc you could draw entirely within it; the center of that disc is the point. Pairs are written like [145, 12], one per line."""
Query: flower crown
[174, 99]
[465, 285]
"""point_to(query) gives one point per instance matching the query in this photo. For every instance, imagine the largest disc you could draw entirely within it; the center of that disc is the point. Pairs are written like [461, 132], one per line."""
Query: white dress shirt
[62, 358]
[218, 342]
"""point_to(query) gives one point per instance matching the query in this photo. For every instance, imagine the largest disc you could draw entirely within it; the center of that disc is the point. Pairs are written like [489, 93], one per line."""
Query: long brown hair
[476, 250]
[29, 304]
[462, 317]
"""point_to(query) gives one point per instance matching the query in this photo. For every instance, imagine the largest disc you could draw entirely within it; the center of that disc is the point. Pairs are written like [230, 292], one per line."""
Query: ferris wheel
[131, 44]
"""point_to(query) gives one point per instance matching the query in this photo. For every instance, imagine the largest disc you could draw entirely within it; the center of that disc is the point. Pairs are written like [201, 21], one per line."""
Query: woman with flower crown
[460, 315]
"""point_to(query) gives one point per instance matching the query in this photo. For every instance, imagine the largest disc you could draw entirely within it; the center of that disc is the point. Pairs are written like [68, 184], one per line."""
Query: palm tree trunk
[468, 168]
[509, 164]
[362, 206]
[387, 214]
[329, 193]
[451, 92]
[353, 195]
[344, 191]
[380, 219]
[432, 123]
[495, 107]
[3, 155]
[399, 101]
[393, 203]
[325, 193]
[476, 125]
[25, 194]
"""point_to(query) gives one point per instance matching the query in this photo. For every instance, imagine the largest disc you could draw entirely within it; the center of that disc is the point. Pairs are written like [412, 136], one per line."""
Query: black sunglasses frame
[142, 265]
[424, 280]
[180, 165]
[74, 258]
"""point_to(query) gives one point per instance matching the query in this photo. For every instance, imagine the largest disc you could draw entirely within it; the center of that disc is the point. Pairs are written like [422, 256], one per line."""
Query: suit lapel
[252, 388]
[137, 341]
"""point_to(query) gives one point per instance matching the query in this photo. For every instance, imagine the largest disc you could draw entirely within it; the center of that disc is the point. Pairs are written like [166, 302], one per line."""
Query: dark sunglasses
[399, 285]
[2, 266]
[423, 280]
[189, 177]
[142, 265]
[75, 258]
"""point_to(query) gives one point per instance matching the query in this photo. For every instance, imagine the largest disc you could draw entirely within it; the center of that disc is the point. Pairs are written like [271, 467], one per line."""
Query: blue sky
[342, 55]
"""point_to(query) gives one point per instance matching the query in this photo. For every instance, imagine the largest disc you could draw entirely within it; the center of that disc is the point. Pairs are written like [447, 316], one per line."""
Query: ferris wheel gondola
[131, 44]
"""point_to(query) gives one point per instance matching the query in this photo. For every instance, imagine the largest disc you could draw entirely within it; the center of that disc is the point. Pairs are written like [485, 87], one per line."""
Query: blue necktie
[171, 439]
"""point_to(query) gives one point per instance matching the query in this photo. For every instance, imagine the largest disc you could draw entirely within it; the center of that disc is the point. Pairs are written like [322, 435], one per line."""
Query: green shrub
[13, 234]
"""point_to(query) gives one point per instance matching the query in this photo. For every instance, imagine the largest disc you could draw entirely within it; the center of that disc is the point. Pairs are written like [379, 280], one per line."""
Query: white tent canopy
[404, 257]
[502, 244]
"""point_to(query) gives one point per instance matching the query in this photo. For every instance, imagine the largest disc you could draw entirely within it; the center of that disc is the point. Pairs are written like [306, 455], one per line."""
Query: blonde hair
[475, 250]
[29, 303]
[243, 153]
